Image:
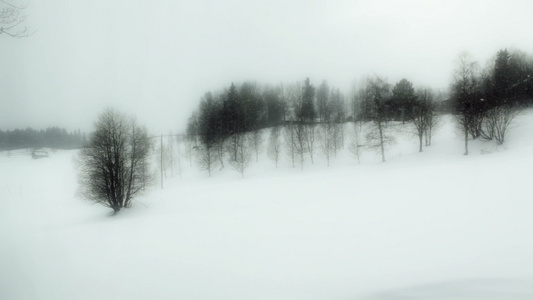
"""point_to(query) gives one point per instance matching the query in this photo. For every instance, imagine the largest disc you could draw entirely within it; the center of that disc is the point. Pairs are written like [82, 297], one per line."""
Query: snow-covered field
[431, 225]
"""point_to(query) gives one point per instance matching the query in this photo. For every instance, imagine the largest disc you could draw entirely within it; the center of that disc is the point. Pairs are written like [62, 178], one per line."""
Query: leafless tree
[433, 119]
[300, 144]
[497, 121]
[257, 140]
[327, 140]
[489, 124]
[113, 166]
[355, 146]
[13, 19]
[466, 95]
[243, 153]
[309, 137]
[230, 146]
[191, 143]
[219, 150]
[337, 109]
[290, 142]
[207, 157]
[422, 115]
[339, 137]
[274, 144]
[378, 91]
[296, 131]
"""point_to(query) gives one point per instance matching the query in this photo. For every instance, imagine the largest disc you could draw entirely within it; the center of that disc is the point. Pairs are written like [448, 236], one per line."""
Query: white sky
[155, 59]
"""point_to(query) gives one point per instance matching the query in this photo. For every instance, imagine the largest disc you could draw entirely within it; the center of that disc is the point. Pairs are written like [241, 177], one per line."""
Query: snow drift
[431, 225]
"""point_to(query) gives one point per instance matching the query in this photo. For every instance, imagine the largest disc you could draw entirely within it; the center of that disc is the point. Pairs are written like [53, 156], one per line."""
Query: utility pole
[161, 161]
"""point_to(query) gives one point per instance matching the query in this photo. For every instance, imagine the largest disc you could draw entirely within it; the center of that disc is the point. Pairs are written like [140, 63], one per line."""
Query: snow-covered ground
[431, 225]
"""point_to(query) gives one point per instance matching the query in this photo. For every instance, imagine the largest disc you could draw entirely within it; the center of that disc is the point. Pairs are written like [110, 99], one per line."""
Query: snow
[431, 225]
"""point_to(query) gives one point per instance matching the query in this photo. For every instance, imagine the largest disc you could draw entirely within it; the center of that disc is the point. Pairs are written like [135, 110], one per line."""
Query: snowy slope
[431, 225]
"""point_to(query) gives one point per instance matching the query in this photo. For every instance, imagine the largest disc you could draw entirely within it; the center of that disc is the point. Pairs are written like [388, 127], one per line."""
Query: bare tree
[309, 137]
[300, 144]
[489, 124]
[207, 157]
[497, 120]
[466, 94]
[302, 113]
[114, 163]
[191, 143]
[219, 150]
[355, 146]
[337, 109]
[257, 140]
[327, 140]
[243, 151]
[291, 142]
[274, 144]
[422, 113]
[378, 91]
[433, 120]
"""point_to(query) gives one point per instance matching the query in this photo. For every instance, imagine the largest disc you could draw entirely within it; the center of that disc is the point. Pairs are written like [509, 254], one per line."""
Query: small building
[39, 154]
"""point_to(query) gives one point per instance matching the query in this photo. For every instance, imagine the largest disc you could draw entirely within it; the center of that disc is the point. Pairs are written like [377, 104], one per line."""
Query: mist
[155, 60]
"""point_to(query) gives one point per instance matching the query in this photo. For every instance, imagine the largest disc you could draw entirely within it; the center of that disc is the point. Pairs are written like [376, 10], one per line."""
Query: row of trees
[310, 119]
[249, 107]
[52, 137]
[304, 120]
[486, 100]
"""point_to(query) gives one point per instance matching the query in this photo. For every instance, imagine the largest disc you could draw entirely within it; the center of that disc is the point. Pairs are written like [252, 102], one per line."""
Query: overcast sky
[155, 59]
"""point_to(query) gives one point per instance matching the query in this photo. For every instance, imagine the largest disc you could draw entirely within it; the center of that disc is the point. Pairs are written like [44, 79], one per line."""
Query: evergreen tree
[275, 106]
[502, 76]
[231, 112]
[307, 110]
[322, 99]
[403, 98]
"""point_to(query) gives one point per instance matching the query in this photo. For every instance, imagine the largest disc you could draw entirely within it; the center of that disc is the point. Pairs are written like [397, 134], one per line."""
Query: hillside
[431, 225]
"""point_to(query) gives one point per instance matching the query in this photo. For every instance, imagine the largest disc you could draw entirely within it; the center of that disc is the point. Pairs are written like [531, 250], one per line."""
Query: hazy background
[155, 59]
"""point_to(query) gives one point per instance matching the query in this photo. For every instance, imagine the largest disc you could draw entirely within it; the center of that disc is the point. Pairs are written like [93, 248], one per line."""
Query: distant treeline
[483, 99]
[506, 79]
[52, 137]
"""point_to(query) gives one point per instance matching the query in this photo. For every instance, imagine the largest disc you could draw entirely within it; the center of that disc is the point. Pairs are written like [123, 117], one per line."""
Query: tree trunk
[466, 138]
[380, 128]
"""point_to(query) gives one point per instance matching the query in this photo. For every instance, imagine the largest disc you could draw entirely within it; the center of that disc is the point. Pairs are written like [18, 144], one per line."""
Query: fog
[155, 59]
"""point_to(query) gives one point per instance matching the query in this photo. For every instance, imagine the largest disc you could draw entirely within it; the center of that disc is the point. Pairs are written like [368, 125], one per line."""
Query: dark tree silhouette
[379, 92]
[114, 165]
[422, 114]
[466, 94]
[307, 113]
[402, 101]
[322, 99]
